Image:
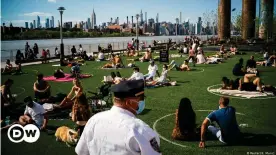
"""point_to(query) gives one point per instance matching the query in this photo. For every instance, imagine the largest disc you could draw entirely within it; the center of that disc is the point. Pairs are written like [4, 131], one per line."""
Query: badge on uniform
[155, 145]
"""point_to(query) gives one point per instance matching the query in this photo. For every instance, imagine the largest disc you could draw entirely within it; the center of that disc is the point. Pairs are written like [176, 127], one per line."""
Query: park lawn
[259, 114]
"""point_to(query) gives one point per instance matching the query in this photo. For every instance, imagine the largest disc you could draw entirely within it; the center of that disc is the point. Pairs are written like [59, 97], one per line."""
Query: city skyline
[192, 10]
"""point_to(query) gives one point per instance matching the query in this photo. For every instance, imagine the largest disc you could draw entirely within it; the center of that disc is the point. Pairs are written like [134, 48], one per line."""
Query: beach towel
[245, 94]
[67, 78]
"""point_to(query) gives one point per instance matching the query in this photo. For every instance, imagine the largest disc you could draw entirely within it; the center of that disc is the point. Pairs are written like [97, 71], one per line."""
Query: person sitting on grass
[185, 121]
[118, 61]
[200, 57]
[34, 114]
[111, 64]
[8, 68]
[69, 99]
[136, 75]
[59, 73]
[228, 131]
[162, 80]
[251, 63]
[230, 84]
[271, 61]
[234, 50]
[6, 95]
[238, 68]
[75, 71]
[147, 57]
[183, 67]
[81, 112]
[153, 69]
[101, 56]
[41, 88]
[222, 50]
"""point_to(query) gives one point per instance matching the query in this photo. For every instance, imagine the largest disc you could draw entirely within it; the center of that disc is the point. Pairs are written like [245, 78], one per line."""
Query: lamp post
[137, 43]
[233, 28]
[61, 9]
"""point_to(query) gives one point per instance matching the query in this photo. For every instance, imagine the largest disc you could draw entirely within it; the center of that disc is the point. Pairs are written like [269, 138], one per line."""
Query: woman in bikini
[69, 100]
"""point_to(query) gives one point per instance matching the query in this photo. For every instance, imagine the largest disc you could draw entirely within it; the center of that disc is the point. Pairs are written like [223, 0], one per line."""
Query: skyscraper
[26, 25]
[47, 24]
[151, 21]
[31, 25]
[93, 20]
[180, 18]
[88, 23]
[141, 18]
[157, 18]
[53, 22]
[34, 24]
[198, 26]
[146, 18]
[38, 22]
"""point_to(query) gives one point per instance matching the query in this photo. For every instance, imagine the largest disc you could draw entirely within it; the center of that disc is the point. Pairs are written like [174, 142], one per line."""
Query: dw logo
[29, 133]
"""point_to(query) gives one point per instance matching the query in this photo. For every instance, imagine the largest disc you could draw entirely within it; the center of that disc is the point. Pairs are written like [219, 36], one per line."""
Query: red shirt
[44, 53]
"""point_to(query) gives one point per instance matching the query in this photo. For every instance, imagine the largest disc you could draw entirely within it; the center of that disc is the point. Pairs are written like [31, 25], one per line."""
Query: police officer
[117, 131]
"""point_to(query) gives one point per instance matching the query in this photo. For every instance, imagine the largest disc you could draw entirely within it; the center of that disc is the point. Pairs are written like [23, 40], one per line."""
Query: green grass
[259, 114]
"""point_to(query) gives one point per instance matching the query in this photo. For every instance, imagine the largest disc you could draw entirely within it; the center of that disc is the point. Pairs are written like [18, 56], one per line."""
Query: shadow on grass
[183, 81]
[145, 111]
[250, 139]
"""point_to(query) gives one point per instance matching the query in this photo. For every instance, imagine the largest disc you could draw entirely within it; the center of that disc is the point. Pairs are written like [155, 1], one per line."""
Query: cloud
[52, 1]
[33, 14]
[17, 21]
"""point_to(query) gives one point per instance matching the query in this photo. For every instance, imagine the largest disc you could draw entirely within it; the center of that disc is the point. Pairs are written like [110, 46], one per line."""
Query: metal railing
[89, 48]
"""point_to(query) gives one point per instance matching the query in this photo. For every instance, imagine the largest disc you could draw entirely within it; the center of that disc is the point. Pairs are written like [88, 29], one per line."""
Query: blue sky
[19, 11]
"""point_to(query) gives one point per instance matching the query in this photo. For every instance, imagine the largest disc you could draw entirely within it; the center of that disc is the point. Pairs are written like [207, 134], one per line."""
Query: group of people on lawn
[185, 128]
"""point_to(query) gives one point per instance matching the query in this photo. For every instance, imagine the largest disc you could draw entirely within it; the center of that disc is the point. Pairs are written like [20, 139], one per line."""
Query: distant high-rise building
[146, 18]
[117, 21]
[198, 26]
[53, 22]
[31, 25]
[93, 20]
[47, 24]
[38, 22]
[177, 20]
[180, 18]
[157, 29]
[88, 23]
[151, 22]
[157, 18]
[26, 25]
[34, 24]
[141, 18]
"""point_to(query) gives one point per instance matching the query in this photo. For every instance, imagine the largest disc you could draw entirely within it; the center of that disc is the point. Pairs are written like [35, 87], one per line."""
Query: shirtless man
[147, 57]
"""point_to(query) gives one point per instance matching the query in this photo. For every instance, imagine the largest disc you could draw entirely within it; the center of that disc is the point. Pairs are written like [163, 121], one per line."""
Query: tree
[237, 22]
[210, 17]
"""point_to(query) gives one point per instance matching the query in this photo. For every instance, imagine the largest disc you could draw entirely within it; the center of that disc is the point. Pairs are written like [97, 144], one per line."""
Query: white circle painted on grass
[237, 97]
[21, 92]
[175, 143]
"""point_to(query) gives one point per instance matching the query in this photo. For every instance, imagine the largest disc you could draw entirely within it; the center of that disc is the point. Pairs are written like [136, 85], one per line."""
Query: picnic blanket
[245, 94]
[67, 78]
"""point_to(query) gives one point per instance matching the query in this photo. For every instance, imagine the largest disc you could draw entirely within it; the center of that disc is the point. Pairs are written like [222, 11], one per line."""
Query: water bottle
[7, 120]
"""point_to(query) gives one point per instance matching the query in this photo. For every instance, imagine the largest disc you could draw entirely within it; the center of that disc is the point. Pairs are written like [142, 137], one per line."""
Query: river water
[9, 48]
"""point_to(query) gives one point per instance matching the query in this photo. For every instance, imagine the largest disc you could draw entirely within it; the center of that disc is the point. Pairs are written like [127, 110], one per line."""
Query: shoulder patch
[155, 145]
